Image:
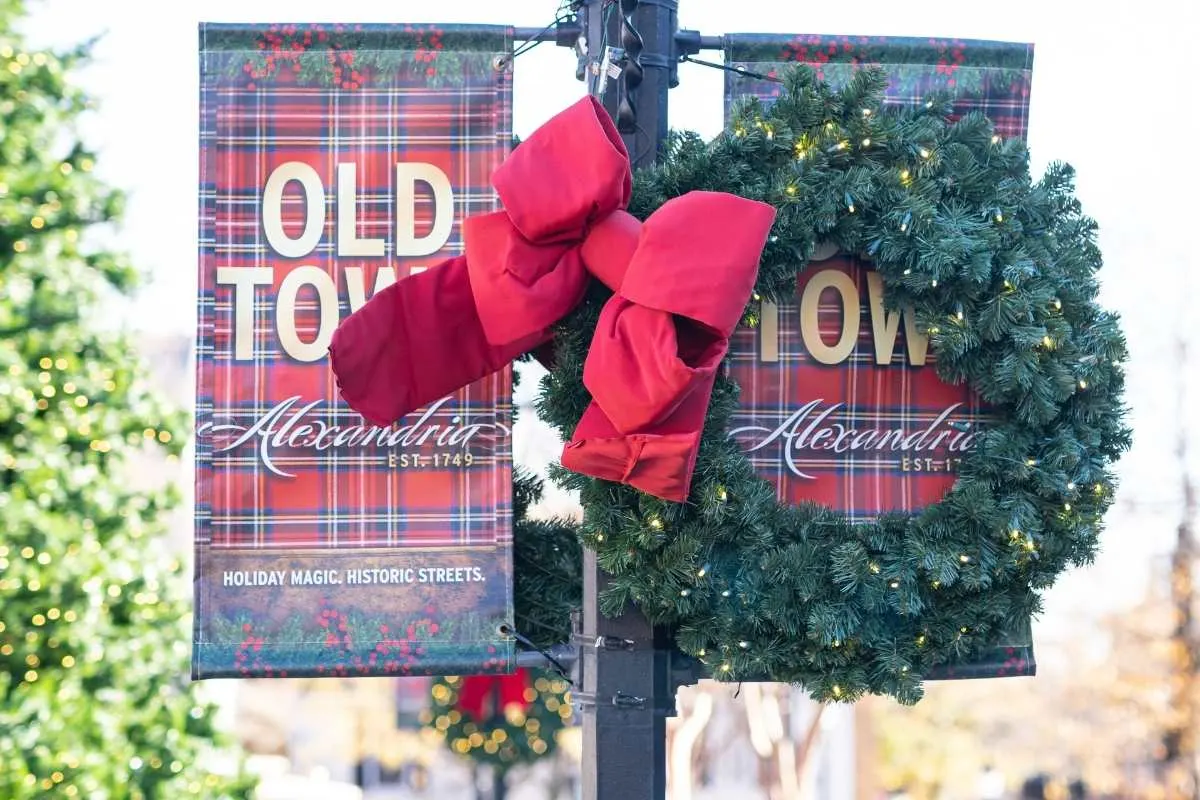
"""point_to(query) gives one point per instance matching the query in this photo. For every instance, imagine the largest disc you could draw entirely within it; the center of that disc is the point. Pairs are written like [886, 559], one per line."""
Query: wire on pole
[564, 30]
[632, 44]
[727, 68]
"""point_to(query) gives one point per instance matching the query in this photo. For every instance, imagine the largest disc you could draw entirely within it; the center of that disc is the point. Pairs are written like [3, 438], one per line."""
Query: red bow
[478, 692]
[681, 281]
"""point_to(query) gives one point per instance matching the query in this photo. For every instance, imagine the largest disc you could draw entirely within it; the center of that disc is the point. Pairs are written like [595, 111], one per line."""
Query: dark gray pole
[626, 692]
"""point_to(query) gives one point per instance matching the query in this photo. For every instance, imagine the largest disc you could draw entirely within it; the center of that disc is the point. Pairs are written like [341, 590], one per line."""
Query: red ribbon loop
[486, 696]
[526, 269]
[681, 281]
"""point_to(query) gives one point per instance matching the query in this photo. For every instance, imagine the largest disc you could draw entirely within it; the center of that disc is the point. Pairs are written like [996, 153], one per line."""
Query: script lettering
[295, 426]
[816, 428]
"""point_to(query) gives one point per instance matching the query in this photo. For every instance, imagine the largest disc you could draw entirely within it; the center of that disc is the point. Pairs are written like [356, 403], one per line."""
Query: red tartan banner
[334, 161]
[841, 404]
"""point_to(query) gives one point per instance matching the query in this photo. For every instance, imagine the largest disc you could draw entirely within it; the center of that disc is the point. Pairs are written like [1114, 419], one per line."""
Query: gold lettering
[885, 325]
[768, 337]
[810, 329]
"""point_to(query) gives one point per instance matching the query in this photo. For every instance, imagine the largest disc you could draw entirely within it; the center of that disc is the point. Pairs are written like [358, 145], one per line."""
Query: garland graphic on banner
[351, 57]
[999, 271]
[995, 75]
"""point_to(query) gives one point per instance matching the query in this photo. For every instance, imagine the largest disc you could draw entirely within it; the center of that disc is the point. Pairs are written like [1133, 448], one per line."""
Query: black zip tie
[562, 671]
[735, 70]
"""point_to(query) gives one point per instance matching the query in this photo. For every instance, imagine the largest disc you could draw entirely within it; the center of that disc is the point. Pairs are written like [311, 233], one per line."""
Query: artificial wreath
[1000, 271]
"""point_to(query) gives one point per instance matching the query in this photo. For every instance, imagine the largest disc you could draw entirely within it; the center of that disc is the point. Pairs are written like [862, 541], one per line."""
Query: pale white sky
[1108, 96]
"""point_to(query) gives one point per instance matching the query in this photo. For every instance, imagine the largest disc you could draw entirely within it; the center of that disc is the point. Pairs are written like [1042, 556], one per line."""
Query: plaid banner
[840, 402]
[334, 161]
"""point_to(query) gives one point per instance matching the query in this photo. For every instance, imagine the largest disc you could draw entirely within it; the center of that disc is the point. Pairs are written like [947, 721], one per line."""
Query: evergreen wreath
[505, 735]
[1000, 271]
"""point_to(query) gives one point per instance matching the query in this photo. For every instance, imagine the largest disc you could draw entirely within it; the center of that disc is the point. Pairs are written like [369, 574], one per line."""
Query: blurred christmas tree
[94, 700]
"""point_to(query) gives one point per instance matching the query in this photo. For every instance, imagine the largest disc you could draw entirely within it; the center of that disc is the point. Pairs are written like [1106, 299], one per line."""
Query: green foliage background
[94, 635]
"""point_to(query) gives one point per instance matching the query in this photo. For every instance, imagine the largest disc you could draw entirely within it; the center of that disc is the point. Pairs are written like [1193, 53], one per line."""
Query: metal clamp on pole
[603, 642]
[689, 42]
[659, 28]
[614, 643]
[560, 654]
[623, 701]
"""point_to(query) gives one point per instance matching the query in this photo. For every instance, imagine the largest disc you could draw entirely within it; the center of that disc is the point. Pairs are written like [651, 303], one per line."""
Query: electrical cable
[735, 70]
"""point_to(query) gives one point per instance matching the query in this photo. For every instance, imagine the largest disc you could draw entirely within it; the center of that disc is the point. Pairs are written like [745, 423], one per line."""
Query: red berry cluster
[423, 56]
[428, 44]
[283, 46]
[1017, 664]
[345, 76]
[396, 655]
[819, 50]
[338, 638]
[951, 57]
[247, 658]
[336, 627]
[391, 654]
[494, 663]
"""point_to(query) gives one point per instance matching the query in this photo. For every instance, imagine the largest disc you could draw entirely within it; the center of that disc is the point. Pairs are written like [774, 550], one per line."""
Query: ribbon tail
[415, 342]
[643, 362]
[658, 459]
